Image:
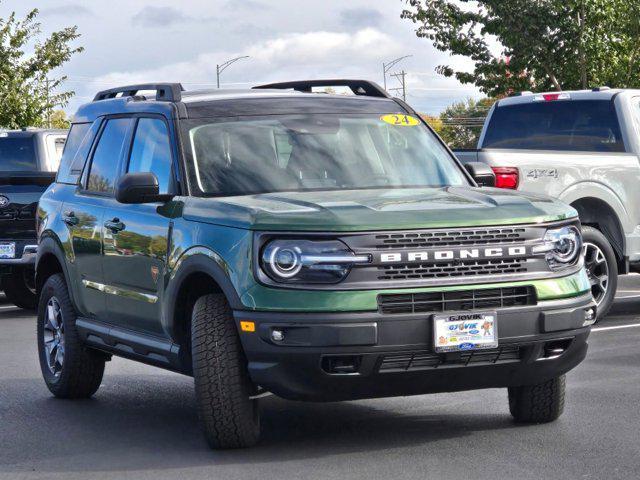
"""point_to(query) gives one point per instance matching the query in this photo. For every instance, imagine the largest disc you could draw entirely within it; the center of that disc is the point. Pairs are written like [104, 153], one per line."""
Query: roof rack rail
[358, 87]
[166, 92]
[602, 88]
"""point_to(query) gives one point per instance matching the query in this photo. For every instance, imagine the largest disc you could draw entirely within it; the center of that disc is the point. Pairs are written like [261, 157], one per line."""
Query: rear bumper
[26, 251]
[344, 356]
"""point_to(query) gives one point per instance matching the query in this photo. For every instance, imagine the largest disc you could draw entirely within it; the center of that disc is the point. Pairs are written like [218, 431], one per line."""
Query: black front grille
[452, 269]
[446, 238]
[404, 362]
[462, 300]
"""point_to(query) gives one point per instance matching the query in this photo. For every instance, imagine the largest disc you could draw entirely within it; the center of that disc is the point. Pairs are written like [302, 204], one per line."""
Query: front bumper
[342, 356]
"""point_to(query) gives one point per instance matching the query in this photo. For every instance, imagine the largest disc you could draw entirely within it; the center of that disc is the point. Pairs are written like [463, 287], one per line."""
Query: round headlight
[562, 246]
[285, 261]
[308, 261]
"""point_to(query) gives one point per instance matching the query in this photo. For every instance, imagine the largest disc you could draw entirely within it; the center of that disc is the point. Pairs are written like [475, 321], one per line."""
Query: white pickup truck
[582, 147]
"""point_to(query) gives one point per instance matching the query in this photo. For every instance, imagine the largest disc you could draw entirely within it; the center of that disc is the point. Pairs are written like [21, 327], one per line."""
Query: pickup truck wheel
[70, 370]
[230, 416]
[541, 403]
[19, 287]
[602, 269]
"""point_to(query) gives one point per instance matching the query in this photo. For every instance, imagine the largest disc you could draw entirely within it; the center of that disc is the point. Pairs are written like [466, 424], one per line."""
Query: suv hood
[377, 209]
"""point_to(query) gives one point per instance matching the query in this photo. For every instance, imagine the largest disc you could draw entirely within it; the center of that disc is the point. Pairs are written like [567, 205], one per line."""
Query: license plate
[465, 331]
[7, 250]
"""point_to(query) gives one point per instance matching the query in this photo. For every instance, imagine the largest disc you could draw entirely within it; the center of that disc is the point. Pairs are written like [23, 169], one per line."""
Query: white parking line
[615, 327]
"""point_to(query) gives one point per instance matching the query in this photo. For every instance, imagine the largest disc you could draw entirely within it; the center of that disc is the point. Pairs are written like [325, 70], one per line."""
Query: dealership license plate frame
[7, 250]
[449, 337]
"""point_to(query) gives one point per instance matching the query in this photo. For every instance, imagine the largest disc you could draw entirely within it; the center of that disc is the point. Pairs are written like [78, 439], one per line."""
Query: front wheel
[19, 287]
[541, 403]
[602, 269]
[229, 415]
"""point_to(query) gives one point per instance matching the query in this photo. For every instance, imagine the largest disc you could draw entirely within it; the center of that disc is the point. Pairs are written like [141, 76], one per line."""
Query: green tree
[58, 119]
[462, 122]
[542, 44]
[29, 89]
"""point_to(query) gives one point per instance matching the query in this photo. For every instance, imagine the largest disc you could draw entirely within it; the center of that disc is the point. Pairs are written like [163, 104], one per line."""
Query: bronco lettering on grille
[453, 254]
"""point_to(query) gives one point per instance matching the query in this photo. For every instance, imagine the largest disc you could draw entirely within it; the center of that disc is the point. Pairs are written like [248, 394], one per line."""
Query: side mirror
[139, 188]
[481, 173]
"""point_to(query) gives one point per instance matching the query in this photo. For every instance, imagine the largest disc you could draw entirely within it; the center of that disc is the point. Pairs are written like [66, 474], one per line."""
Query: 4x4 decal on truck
[542, 173]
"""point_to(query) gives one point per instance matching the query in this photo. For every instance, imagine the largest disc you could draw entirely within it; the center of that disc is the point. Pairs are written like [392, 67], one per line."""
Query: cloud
[289, 57]
[69, 9]
[356, 18]
[153, 17]
[245, 5]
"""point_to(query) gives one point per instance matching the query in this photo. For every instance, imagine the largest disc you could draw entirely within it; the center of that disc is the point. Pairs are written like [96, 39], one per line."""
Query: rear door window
[18, 153]
[76, 149]
[571, 125]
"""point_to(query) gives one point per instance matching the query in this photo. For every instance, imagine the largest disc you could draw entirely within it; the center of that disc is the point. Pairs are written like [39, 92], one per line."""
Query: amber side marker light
[247, 326]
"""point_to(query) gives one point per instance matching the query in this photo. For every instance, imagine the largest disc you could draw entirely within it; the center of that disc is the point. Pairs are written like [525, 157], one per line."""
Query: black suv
[315, 246]
[29, 159]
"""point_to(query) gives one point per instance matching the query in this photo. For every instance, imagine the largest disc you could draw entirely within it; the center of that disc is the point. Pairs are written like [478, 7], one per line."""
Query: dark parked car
[318, 247]
[29, 159]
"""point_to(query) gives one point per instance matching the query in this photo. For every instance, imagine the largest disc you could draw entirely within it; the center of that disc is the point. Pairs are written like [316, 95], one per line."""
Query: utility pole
[389, 65]
[223, 66]
[402, 78]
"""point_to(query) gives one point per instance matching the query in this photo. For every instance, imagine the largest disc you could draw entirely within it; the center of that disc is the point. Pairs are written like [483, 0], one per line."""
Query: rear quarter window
[75, 152]
[568, 125]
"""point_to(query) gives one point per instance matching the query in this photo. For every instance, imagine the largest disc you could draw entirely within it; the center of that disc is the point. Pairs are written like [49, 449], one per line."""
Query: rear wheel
[19, 287]
[541, 403]
[602, 269]
[70, 370]
[229, 415]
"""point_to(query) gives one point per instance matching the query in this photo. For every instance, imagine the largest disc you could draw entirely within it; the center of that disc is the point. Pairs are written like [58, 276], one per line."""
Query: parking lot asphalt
[142, 424]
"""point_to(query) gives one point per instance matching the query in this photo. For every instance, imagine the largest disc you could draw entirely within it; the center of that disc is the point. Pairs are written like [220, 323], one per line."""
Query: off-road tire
[594, 236]
[82, 371]
[17, 291]
[231, 419]
[541, 403]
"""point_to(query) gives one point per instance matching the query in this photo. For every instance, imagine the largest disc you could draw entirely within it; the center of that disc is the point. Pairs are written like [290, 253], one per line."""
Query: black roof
[171, 99]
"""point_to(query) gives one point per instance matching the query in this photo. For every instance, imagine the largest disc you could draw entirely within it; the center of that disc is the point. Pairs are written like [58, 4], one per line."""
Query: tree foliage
[29, 89]
[462, 122]
[58, 119]
[541, 44]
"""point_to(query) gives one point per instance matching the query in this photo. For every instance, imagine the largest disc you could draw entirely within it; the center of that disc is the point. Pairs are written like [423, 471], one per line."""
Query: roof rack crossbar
[358, 87]
[167, 92]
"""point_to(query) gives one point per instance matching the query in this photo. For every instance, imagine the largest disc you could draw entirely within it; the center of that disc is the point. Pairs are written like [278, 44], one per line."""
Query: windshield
[17, 154]
[250, 155]
[578, 125]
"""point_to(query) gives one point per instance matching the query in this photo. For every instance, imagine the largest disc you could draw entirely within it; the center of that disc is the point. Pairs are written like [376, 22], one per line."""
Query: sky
[129, 41]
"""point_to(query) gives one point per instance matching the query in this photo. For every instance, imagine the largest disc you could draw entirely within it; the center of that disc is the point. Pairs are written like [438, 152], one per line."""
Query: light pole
[223, 66]
[389, 65]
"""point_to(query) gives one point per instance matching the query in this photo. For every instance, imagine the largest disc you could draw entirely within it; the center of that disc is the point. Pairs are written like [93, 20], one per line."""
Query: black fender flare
[197, 260]
[50, 245]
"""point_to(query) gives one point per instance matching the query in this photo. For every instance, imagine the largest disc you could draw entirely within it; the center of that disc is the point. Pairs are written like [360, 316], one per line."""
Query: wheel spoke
[597, 270]
[54, 336]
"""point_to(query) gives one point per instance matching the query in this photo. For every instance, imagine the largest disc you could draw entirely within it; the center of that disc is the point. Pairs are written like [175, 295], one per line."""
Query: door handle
[115, 225]
[70, 218]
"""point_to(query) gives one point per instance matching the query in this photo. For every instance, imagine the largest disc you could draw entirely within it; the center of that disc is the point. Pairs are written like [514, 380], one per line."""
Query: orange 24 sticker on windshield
[400, 120]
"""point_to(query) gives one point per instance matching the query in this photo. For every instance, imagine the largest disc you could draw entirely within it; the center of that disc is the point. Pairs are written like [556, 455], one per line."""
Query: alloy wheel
[54, 337]
[598, 271]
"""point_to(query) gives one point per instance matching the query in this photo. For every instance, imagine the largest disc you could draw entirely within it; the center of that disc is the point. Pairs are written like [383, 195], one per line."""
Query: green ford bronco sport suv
[315, 246]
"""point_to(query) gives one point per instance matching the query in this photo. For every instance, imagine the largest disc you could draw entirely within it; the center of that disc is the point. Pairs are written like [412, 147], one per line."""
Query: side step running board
[129, 344]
